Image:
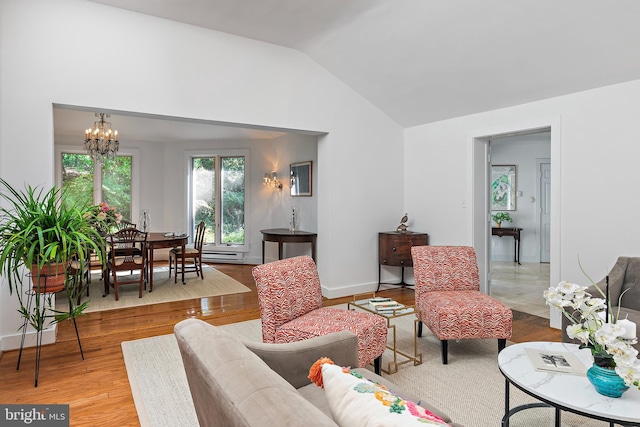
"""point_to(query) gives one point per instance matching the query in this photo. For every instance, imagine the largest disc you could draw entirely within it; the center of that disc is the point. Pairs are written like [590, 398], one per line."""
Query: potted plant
[41, 234]
[499, 217]
[610, 339]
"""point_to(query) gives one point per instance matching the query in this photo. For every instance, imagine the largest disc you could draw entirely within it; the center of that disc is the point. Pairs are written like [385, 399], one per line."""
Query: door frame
[539, 163]
[479, 187]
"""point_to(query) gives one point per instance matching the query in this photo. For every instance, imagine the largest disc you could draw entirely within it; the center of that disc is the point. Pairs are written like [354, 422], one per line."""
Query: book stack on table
[384, 305]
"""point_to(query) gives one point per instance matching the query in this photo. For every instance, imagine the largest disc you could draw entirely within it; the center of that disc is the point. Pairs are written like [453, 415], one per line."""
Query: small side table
[392, 367]
[284, 235]
[394, 249]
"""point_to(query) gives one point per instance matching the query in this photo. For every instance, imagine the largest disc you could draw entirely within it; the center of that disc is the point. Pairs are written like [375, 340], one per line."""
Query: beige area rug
[215, 283]
[470, 388]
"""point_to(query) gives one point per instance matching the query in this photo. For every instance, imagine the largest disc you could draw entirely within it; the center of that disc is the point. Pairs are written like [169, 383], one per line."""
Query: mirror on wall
[300, 174]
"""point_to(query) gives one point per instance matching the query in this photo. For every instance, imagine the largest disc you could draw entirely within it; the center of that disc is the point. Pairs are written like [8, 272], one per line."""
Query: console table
[394, 249]
[513, 232]
[284, 235]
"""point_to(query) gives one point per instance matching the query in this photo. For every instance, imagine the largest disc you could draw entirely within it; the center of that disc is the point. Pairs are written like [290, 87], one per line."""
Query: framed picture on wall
[300, 175]
[503, 187]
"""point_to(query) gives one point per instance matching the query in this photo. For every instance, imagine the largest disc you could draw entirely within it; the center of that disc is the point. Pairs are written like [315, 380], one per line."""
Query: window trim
[189, 156]
[97, 192]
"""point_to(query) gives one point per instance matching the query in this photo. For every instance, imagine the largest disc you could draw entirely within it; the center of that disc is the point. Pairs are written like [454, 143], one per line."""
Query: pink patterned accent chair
[290, 298]
[448, 297]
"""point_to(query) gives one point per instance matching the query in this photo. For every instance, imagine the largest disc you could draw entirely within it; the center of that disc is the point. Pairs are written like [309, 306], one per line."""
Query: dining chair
[138, 248]
[448, 297]
[126, 256]
[193, 252]
[290, 299]
[125, 224]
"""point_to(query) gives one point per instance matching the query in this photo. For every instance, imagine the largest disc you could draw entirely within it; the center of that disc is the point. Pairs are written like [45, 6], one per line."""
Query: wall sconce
[272, 182]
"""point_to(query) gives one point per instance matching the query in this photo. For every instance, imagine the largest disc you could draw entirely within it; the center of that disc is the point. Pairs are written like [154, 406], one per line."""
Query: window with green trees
[113, 179]
[218, 197]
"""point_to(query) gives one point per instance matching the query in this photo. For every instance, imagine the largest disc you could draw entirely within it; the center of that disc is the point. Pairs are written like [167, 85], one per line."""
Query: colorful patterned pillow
[356, 401]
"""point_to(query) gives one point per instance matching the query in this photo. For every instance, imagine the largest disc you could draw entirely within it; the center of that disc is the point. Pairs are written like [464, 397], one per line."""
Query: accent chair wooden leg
[502, 343]
[445, 350]
[419, 329]
[377, 362]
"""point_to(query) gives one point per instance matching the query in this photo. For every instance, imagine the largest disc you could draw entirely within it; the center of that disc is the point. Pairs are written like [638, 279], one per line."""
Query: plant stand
[41, 314]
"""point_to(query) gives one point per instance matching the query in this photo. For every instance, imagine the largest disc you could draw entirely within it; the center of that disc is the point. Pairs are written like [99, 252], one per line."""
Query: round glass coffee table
[563, 391]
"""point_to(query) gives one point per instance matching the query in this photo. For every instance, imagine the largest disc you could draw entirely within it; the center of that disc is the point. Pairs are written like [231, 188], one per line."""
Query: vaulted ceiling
[421, 61]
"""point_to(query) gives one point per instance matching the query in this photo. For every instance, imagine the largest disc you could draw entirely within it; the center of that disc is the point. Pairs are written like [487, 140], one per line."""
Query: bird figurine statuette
[403, 226]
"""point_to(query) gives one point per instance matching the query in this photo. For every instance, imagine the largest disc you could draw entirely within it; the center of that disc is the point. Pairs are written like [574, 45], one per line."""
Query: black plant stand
[31, 295]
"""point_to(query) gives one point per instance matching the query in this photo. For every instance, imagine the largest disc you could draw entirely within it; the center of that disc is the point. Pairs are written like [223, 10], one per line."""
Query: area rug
[470, 388]
[215, 283]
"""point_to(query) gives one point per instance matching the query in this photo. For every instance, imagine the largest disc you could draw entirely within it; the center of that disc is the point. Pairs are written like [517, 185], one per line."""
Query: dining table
[159, 240]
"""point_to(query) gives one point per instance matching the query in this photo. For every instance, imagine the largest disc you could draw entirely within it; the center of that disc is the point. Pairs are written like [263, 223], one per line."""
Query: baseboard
[12, 342]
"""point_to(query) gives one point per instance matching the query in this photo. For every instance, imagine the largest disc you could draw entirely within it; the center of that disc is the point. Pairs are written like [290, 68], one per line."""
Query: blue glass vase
[606, 381]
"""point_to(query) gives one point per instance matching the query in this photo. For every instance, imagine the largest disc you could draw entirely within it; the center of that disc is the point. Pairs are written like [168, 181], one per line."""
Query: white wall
[522, 151]
[594, 175]
[288, 149]
[167, 68]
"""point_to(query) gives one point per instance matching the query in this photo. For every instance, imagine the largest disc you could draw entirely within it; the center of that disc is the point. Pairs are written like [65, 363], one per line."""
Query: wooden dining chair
[126, 256]
[125, 224]
[194, 252]
[138, 248]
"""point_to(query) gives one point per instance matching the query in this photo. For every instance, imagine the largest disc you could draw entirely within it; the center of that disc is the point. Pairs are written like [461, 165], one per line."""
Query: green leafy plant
[500, 217]
[38, 230]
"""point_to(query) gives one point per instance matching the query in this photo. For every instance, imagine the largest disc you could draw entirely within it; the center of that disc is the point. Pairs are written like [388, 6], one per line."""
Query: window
[111, 181]
[217, 197]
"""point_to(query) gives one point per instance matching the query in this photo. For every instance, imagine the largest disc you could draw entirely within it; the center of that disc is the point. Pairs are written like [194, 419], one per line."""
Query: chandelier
[101, 141]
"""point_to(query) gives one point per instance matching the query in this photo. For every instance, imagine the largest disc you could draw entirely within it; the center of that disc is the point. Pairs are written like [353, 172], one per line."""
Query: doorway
[483, 155]
[519, 285]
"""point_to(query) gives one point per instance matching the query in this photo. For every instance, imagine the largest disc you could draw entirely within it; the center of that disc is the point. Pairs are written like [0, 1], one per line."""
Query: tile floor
[520, 287]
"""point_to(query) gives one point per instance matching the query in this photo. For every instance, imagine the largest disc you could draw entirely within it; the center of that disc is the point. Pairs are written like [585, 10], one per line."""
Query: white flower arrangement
[610, 342]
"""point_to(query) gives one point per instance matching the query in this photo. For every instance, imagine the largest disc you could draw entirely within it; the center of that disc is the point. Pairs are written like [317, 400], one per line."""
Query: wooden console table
[283, 235]
[513, 232]
[394, 249]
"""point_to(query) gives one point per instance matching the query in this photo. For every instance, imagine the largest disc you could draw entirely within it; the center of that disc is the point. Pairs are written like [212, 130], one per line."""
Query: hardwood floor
[97, 389]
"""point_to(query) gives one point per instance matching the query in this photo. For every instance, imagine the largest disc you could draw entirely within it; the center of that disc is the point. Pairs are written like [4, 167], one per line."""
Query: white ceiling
[419, 61]
[426, 60]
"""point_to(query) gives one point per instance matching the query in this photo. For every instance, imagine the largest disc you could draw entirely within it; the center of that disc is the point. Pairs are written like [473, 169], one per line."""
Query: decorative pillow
[356, 401]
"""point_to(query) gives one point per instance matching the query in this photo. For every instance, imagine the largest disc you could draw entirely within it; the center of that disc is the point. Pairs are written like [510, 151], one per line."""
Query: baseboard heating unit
[213, 256]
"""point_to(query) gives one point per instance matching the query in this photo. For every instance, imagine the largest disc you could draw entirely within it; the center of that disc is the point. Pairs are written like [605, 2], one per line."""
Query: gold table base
[392, 366]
